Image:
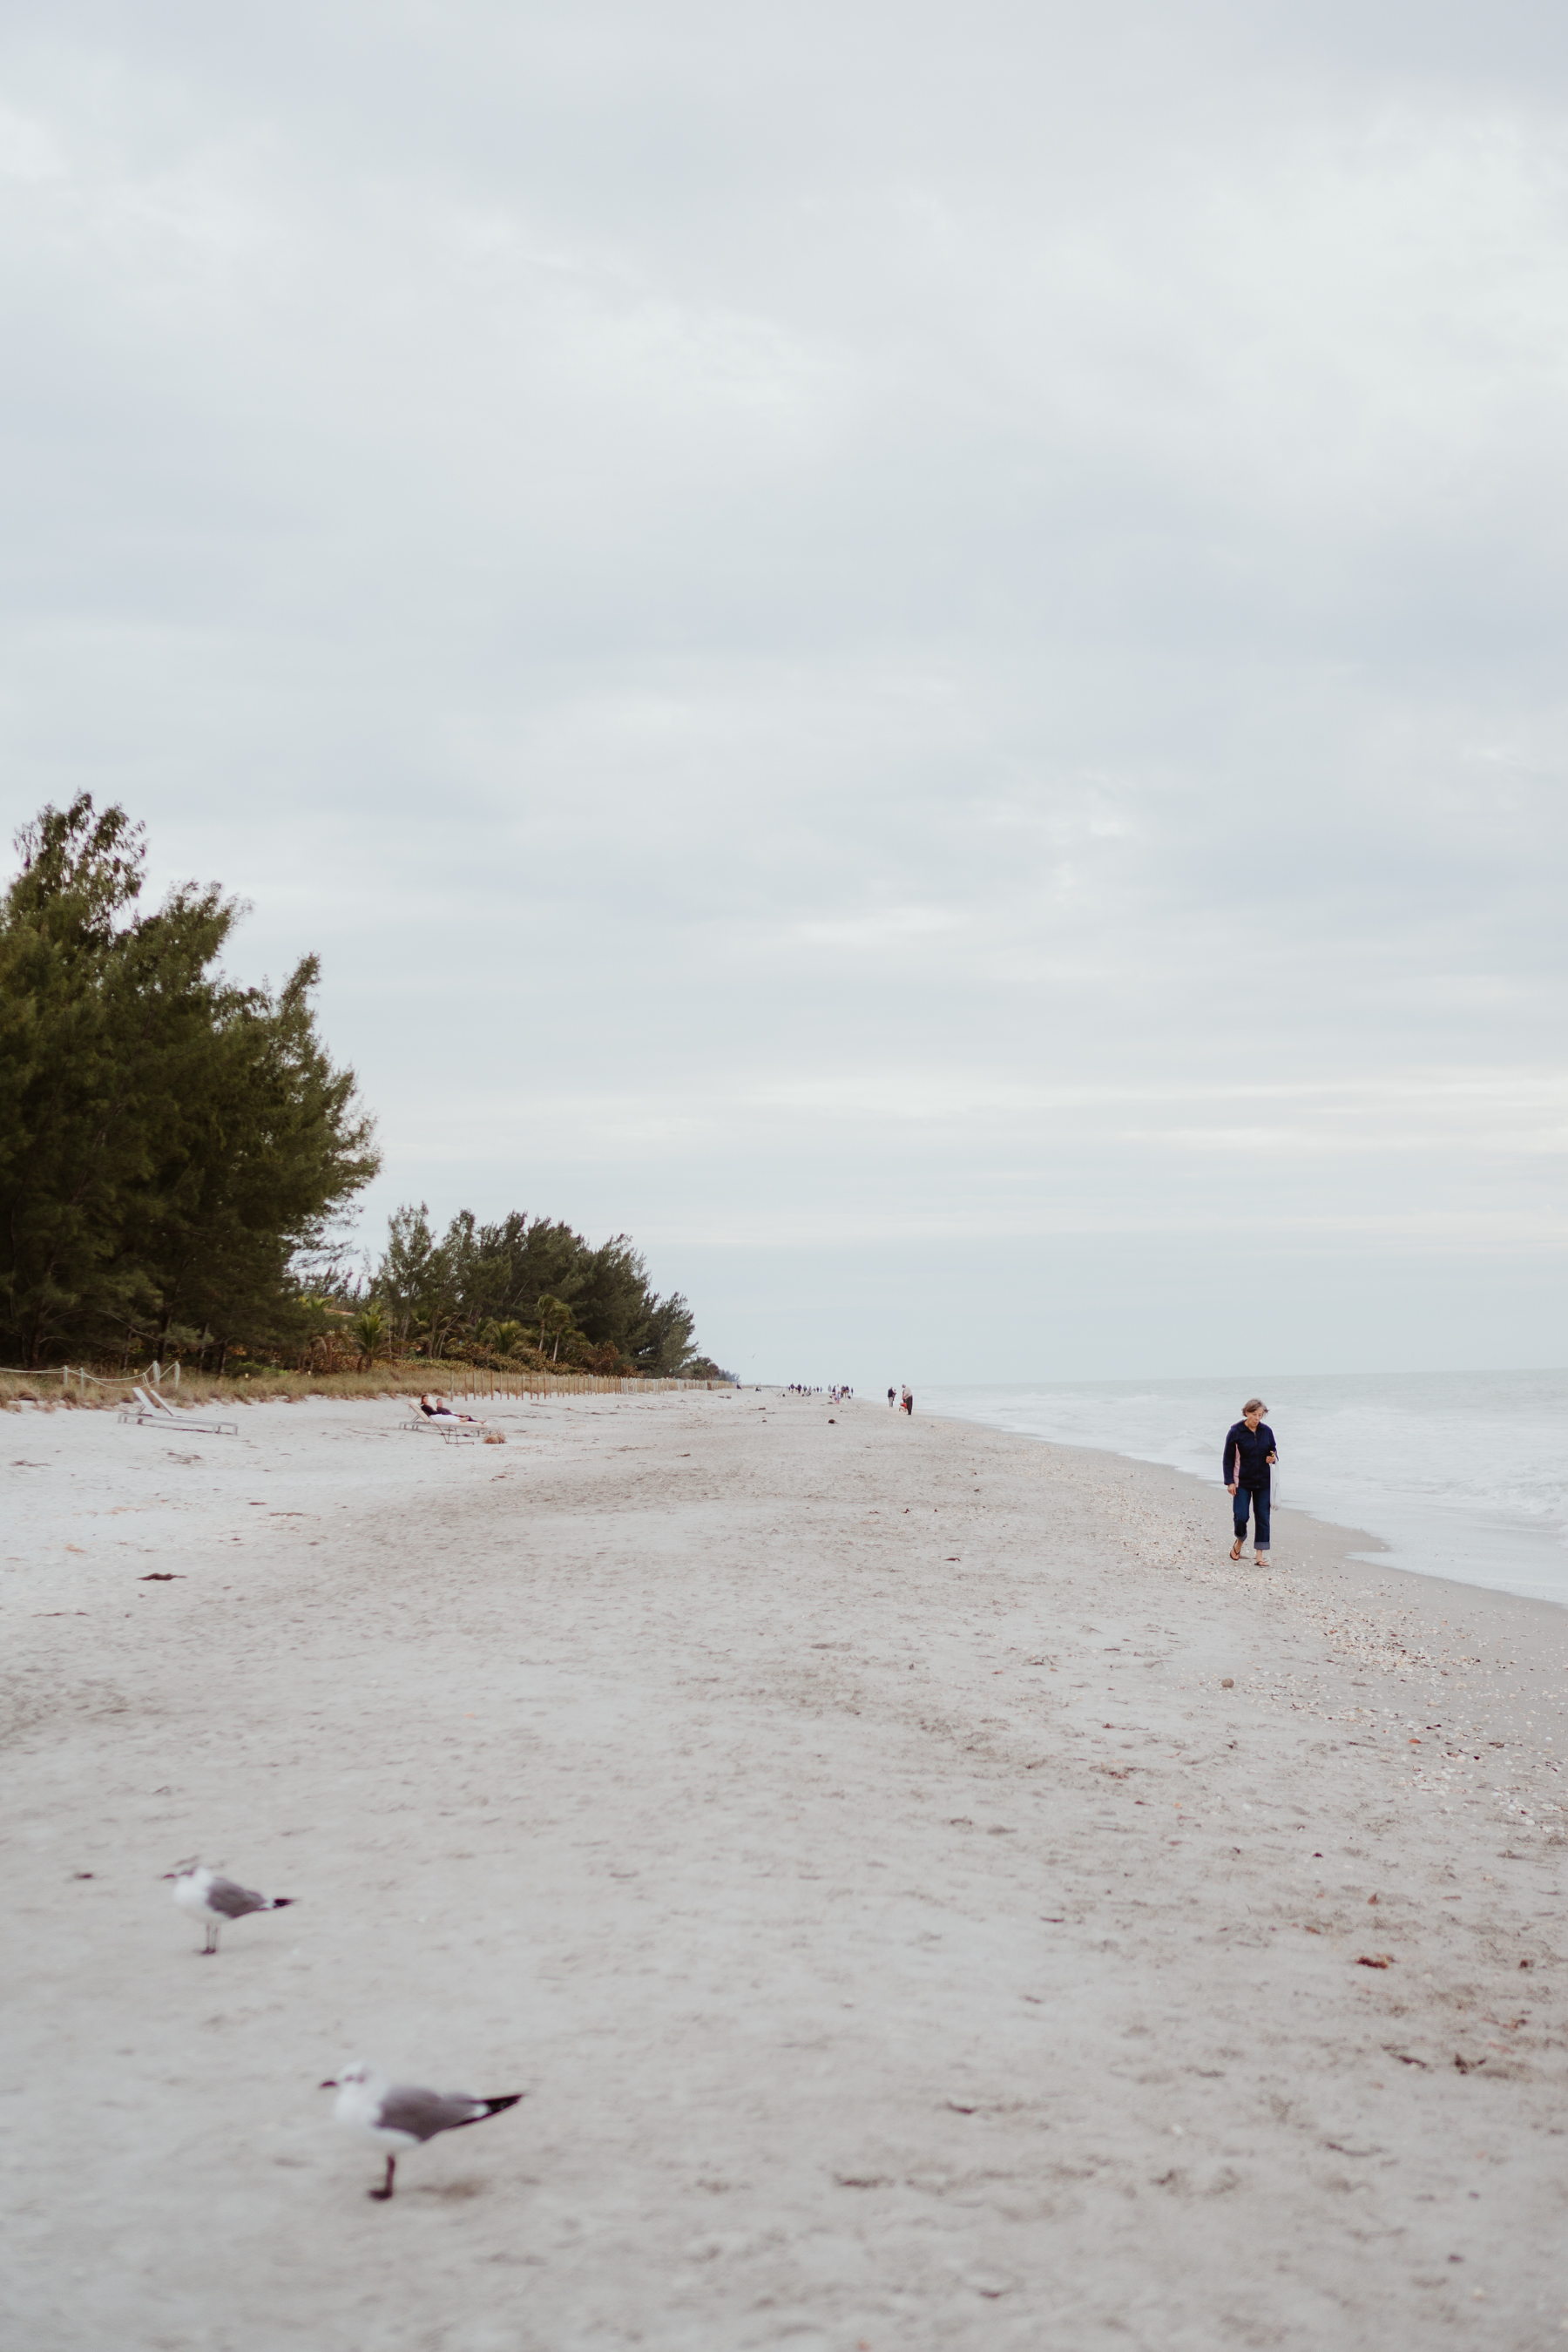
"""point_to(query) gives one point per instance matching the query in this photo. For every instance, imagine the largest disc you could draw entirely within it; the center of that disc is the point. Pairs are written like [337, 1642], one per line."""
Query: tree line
[527, 1289]
[178, 1153]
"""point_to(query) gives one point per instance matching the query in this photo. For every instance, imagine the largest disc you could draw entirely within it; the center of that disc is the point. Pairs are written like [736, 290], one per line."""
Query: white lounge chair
[151, 1407]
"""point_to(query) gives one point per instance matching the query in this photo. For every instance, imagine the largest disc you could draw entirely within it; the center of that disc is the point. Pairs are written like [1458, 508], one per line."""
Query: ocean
[1462, 1474]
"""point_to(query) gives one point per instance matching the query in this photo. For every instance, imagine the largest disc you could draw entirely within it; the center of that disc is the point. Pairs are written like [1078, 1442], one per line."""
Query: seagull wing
[423, 2113]
[233, 1901]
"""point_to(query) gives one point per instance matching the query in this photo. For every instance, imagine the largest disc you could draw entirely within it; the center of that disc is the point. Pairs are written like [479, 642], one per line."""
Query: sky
[913, 652]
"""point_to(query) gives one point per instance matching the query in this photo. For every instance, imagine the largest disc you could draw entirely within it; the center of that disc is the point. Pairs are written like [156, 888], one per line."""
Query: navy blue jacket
[1247, 1453]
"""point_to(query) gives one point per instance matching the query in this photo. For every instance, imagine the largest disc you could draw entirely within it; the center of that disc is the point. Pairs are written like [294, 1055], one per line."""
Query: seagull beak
[326, 2086]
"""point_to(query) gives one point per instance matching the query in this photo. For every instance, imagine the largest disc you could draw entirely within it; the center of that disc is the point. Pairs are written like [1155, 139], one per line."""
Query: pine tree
[169, 1140]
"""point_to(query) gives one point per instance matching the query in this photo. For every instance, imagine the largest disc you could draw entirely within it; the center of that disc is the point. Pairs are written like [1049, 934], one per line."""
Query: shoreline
[927, 1895]
[1469, 1542]
[1447, 1623]
[1321, 1543]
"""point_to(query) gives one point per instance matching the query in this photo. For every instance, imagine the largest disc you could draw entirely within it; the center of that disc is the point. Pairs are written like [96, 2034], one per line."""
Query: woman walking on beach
[1249, 1452]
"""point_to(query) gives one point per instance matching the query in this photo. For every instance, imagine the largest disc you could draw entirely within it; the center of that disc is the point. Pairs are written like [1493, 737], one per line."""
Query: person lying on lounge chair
[435, 1408]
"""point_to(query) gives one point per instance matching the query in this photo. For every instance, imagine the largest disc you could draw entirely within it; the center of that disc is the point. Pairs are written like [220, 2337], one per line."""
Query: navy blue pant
[1258, 1498]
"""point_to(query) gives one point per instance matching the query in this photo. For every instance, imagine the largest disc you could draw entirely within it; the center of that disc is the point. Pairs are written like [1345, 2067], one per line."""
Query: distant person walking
[907, 1403]
[1250, 1453]
[893, 1399]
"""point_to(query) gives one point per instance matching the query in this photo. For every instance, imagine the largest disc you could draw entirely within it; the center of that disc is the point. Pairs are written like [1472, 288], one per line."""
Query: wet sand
[921, 1885]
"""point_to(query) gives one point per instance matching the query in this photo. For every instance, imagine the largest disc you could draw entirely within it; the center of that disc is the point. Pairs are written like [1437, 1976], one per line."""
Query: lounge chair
[151, 1407]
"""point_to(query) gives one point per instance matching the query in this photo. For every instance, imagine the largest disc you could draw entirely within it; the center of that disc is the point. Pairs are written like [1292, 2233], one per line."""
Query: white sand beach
[922, 1887]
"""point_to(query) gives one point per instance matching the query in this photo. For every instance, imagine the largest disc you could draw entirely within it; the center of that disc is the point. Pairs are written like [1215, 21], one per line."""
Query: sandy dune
[842, 1829]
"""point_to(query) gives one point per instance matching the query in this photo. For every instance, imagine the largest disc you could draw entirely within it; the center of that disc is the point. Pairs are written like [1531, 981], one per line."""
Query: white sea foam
[1460, 1473]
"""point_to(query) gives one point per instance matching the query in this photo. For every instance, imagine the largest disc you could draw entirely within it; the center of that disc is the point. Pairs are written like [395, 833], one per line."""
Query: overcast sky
[914, 651]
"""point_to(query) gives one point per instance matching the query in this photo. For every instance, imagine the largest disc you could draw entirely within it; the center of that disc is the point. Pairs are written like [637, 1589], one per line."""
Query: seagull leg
[210, 1947]
[381, 2195]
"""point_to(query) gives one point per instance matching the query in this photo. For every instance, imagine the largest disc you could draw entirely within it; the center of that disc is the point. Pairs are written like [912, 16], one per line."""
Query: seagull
[396, 2116]
[214, 1899]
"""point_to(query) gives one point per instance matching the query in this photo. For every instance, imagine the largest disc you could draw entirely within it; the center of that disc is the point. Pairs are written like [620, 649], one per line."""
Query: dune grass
[51, 1390]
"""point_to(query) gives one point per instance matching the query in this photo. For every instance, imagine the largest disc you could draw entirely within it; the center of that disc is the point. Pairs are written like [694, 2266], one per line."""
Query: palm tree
[555, 1316]
[369, 1329]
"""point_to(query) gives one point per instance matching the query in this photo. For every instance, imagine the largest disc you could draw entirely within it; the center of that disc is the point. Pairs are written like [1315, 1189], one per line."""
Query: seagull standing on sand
[213, 1899]
[396, 2116]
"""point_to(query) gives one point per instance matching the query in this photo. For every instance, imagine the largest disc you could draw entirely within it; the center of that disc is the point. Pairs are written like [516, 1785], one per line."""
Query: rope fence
[79, 1373]
[480, 1383]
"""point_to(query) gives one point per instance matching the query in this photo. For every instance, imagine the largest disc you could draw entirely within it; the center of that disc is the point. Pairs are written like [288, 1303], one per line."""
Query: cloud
[928, 620]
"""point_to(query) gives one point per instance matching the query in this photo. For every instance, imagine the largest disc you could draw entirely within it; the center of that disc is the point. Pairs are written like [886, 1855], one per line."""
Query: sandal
[1235, 1549]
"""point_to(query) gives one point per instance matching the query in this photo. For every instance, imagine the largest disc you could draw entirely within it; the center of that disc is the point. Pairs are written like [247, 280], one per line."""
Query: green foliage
[371, 1332]
[592, 1309]
[556, 1322]
[170, 1142]
[415, 1278]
